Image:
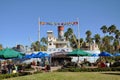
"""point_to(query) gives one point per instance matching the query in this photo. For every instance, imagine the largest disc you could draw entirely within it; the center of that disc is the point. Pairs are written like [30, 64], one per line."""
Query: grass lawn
[71, 76]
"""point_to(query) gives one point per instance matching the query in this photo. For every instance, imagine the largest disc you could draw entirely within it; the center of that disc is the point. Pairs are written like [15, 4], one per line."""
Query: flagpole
[78, 33]
[39, 32]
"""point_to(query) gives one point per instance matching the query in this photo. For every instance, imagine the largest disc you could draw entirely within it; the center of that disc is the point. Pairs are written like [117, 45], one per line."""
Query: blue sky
[19, 18]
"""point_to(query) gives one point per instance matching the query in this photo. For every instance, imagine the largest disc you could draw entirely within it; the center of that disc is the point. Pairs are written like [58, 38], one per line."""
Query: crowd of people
[86, 64]
[38, 66]
[9, 67]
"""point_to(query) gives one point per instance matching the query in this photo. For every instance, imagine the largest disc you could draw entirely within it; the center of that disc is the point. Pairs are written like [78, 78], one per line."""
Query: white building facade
[57, 44]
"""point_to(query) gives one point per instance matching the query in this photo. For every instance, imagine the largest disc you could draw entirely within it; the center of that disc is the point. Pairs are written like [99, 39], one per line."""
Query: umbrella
[33, 55]
[116, 54]
[10, 53]
[78, 52]
[105, 54]
[39, 55]
[46, 55]
[94, 55]
[28, 56]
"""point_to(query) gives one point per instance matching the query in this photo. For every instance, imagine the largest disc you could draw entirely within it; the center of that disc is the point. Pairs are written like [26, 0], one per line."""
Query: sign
[59, 24]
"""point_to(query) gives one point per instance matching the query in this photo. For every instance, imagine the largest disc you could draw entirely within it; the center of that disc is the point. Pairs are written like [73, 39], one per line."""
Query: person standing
[9, 67]
[107, 64]
[47, 65]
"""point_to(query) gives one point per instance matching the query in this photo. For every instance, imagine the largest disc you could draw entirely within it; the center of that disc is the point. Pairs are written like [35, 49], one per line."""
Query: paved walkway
[42, 68]
[55, 68]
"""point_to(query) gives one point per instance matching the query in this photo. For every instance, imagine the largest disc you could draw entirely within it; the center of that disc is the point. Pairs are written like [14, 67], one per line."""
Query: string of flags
[59, 24]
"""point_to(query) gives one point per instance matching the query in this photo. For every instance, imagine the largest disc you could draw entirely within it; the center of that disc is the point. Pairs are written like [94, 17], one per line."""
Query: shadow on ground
[111, 73]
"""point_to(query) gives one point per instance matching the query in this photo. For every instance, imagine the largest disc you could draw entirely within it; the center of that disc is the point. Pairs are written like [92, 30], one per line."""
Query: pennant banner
[59, 24]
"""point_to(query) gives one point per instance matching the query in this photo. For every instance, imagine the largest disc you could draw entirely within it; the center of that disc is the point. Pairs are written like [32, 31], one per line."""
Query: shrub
[4, 76]
[116, 64]
[88, 69]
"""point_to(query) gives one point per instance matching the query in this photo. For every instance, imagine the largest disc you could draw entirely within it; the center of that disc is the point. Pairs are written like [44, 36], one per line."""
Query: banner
[59, 24]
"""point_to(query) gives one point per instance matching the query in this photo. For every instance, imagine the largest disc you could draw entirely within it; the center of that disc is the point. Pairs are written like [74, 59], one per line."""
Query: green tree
[112, 29]
[88, 33]
[43, 48]
[81, 41]
[44, 41]
[115, 44]
[105, 43]
[88, 38]
[117, 34]
[68, 34]
[71, 37]
[106, 40]
[97, 38]
[36, 46]
[1, 47]
[44, 44]
[104, 29]
[74, 41]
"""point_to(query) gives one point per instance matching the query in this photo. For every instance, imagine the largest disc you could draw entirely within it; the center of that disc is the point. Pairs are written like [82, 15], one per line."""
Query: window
[50, 44]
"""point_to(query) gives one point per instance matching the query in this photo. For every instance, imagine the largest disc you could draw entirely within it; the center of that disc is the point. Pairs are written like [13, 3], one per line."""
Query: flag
[42, 23]
[75, 23]
[58, 24]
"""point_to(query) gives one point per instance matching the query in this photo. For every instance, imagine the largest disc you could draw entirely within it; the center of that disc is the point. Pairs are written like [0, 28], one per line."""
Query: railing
[59, 49]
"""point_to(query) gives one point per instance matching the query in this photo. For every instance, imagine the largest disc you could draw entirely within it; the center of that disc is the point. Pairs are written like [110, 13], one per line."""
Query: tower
[61, 33]
[51, 39]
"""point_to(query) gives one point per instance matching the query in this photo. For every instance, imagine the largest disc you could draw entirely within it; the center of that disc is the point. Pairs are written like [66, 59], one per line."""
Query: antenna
[39, 29]
[39, 32]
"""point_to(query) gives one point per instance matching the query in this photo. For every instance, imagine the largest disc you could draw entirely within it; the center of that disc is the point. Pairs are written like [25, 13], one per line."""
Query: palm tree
[88, 38]
[104, 29]
[81, 41]
[88, 33]
[44, 41]
[117, 34]
[70, 31]
[68, 34]
[97, 38]
[106, 42]
[112, 29]
[36, 46]
[43, 48]
[115, 44]
[44, 44]
[71, 37]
